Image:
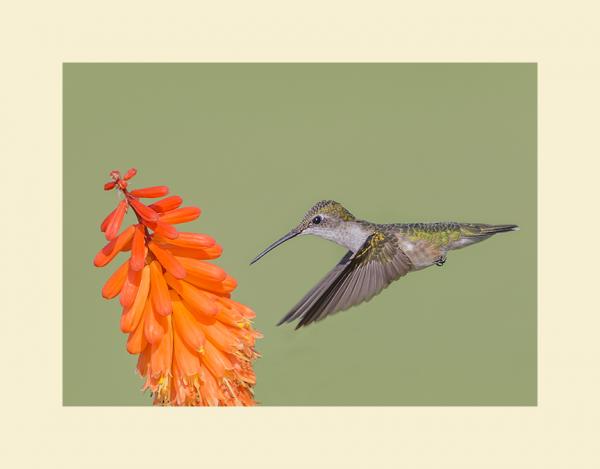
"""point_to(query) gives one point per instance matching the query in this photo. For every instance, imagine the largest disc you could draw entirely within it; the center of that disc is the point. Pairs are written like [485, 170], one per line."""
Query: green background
[255, 145]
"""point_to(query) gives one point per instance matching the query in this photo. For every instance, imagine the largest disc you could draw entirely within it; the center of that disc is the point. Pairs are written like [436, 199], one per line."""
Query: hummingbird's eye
[317, 220]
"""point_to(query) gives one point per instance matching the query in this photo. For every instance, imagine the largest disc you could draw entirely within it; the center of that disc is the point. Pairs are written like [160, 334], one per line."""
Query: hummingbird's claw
[440, 261]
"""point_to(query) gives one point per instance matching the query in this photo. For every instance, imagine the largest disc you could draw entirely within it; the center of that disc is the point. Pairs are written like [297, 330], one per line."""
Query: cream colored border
[561, 432]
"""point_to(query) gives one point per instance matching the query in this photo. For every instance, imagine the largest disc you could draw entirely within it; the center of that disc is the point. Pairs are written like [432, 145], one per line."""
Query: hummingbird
[377, 255]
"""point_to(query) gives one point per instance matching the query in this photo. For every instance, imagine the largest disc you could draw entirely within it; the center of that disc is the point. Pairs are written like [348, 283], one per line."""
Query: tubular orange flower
[150, 192]
[130, 287]
[154, 326]
[115, 221]
[168, 260]
[190, 240]
[138, 249]
[180, 215]
[195, 344]
[166, 204]
[159, 294]
[110, 251]
[163, 229]
[116, 281]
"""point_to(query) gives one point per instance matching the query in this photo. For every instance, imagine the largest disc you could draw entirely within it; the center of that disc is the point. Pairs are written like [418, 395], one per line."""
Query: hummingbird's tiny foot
[440, 261]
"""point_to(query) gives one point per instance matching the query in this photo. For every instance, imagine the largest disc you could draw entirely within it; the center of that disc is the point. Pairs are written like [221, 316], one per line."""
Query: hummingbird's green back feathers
[451, 235]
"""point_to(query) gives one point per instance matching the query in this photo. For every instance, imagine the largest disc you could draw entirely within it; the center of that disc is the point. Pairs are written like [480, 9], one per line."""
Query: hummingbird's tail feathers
[480, 229]
[471, 233]
[503, 228]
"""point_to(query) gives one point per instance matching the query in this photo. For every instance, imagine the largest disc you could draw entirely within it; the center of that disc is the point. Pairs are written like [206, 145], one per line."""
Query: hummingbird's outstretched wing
[356, 278]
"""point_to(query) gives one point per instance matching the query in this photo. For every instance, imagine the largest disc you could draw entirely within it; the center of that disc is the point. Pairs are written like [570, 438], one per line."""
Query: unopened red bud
[109, 185]
[129, 174]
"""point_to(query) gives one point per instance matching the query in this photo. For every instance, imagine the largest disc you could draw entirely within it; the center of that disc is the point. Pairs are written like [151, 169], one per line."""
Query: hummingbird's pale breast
[421, 253]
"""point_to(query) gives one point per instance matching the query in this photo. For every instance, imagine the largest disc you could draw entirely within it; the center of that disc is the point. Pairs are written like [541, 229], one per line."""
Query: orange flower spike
[115, 283]
[167, 260]
[180, 215]
[150, 192]
[169, 203]
[110, 251]
[114, 224]
[130, 288]
[138, 249]
[159, 291]
[143, 211]
[195, 345]
[131, 316]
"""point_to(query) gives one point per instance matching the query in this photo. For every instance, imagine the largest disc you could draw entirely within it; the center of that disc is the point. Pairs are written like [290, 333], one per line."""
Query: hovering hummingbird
[378, 254]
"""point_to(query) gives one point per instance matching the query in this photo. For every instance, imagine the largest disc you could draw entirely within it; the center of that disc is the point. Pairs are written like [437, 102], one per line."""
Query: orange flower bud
[167, 260]
[115, 221]
[150, 192]
[114, 284]
[159, 292]
[138, 249]
[143, 211]
[180, 215]
[164, 205]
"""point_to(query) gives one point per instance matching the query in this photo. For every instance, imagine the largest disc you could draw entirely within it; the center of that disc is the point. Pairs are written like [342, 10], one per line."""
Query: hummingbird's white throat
[349, 234]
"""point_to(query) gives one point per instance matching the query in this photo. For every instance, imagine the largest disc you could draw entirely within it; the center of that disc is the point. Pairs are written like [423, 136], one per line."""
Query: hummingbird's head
[324, 216]
[323, 219]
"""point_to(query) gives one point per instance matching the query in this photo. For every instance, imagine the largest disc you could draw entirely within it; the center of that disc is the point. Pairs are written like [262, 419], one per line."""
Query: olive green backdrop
[255, 145]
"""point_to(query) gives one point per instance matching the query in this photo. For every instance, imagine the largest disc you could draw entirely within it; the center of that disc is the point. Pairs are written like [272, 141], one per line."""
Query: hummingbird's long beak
[281, 240]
